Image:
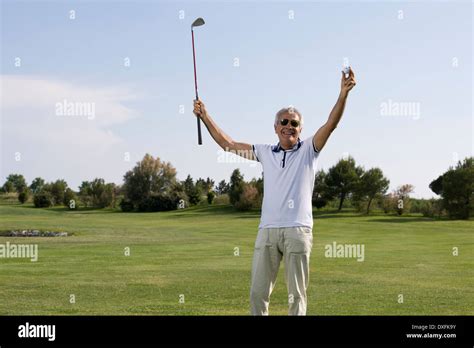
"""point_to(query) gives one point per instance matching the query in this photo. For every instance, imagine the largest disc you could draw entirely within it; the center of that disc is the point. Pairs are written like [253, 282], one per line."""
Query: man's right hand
[199, 109]
[222, 139]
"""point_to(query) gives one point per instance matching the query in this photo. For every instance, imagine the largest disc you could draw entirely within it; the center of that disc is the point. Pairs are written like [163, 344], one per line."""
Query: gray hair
[289, 110]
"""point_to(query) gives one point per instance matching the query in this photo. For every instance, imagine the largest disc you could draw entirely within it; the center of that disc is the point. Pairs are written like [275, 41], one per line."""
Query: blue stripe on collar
[278, 148]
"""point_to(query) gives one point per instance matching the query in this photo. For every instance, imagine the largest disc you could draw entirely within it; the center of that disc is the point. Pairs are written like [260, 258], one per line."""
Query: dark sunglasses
[294, 123]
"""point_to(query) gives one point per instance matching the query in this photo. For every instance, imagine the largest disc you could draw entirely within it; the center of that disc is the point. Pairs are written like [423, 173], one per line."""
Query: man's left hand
[347, 83]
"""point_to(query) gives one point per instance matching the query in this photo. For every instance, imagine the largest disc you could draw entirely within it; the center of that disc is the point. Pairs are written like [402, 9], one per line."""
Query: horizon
[128, 71]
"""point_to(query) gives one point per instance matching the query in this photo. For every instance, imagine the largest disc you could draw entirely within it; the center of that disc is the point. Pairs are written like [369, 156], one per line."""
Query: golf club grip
[199, 131]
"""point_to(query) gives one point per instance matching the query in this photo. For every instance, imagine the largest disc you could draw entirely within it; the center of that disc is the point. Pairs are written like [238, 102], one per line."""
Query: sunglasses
[285, 121]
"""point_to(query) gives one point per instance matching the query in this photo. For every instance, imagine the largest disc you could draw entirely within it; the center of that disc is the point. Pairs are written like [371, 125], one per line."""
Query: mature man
[285, 229]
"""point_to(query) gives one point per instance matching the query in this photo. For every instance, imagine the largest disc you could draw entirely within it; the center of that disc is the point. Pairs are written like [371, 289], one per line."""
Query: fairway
[197, 262]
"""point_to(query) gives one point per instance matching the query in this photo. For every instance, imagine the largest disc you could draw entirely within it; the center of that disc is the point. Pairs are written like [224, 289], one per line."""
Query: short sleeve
[261, 152]
[311, 152]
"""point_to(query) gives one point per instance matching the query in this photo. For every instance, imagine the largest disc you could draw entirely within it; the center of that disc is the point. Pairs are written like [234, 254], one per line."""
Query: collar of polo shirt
[278, 148]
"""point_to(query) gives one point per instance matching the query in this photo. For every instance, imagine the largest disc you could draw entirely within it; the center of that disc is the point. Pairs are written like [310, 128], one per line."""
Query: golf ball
[346, 71]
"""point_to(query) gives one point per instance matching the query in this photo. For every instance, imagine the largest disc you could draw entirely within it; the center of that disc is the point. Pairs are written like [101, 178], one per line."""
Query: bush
[416, 205]
[126, 205]
[432, 208]
[57, 190]
[158, 203]
[360, 205]
[237, 184]
[388, 203]
[194, 195]
[334, 203]
[319, 202]
[43, 199]
[248, 199]
[403, 205]
[180, 198]
[70, 199]
[23, 196]
[222, 199]
[210, 197]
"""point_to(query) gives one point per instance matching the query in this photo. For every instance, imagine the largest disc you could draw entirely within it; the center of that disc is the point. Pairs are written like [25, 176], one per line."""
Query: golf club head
[198, 22]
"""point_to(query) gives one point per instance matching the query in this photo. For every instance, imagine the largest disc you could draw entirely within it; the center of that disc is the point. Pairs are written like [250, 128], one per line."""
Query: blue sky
[403, 53]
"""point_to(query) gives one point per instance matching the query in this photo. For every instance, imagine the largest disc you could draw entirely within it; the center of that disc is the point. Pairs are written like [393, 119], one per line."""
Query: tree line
[152, 186]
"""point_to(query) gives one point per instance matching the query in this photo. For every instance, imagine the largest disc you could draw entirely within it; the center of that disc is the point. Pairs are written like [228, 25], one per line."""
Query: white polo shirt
[288, 182]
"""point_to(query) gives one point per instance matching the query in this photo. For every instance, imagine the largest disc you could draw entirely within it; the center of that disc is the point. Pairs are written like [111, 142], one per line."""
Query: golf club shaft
[196, 90]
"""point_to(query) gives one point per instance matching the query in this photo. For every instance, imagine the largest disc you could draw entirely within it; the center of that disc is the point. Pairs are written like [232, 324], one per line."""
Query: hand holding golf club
[199, 109]
[347, 83]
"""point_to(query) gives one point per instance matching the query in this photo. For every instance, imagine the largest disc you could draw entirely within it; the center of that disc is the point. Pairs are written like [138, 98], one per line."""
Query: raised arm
[323, 133]
[220, 137]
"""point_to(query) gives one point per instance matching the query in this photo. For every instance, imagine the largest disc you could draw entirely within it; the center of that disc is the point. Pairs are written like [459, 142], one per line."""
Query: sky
[89, 87]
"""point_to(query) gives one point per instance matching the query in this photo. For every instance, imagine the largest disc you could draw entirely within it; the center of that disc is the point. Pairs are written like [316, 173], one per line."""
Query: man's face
[288, 133]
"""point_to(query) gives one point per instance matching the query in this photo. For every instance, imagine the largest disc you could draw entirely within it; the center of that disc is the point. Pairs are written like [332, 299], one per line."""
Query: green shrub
[432, 208]
[249, 198]
[319, 202]
[70, 199]
[157, 203]
[43, 199]
[23, 196]
[388, 203]
[126, 205]
[210, 197]
[222, 199]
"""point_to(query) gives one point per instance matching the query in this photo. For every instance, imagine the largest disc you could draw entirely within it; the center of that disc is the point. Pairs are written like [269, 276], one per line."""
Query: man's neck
[288, 146]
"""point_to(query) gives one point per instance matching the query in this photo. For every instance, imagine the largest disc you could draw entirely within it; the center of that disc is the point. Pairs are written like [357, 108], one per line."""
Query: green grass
[191, 252]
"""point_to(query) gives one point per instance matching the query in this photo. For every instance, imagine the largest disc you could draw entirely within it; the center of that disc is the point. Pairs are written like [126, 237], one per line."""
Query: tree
[102, 193]
[456, 187]
[388, 203]
[236, 186]
[209, 185]
[149, 176]
[320, 190]
[37, 185]
[258, 183]
[8, 187]
[222, 187]
[193, 191]
[23, 196]
[210, 197]
[403, 198]
[57, 189]
[70, 199]
[43, 199]
[85, 193]
[15, 182]
[97, 193]
[200, 186]
[372, 184]
[342, 179]
[437, 185]
[248, 198]
[205, 185]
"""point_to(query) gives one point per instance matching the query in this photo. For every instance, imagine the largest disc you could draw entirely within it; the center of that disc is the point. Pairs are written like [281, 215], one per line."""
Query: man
[289, 169]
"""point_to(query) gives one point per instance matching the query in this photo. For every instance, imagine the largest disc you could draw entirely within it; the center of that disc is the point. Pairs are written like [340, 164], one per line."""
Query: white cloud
[70, 144]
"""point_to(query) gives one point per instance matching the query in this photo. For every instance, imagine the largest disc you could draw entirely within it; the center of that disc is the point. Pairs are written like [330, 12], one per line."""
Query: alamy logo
[29, 251]
[67, 108]
[345, 251]
[37, 331]
[393, 108]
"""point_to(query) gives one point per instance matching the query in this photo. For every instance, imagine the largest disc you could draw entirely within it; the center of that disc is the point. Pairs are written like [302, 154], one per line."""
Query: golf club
[198, 22]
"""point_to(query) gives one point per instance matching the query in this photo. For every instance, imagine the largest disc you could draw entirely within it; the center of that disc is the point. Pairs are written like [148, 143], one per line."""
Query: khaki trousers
[293, 244]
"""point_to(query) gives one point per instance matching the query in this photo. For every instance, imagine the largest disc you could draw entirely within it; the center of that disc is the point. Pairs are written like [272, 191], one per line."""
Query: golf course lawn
[191, 252]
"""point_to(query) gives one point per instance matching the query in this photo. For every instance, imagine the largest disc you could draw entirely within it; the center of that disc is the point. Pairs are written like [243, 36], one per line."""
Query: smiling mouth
[287, 132]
